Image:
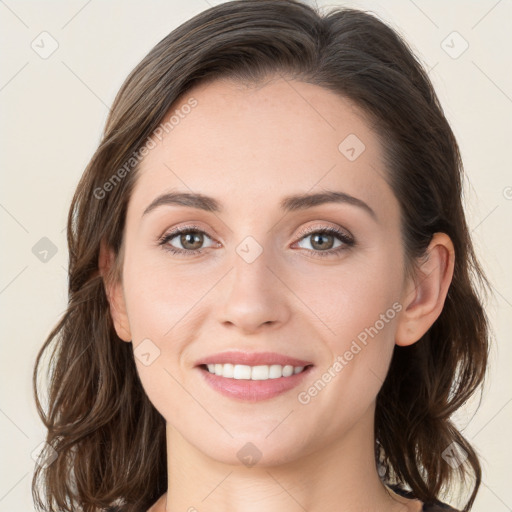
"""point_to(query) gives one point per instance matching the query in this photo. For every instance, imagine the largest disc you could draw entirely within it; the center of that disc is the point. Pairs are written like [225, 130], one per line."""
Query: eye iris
[316, 241]
[185, 238]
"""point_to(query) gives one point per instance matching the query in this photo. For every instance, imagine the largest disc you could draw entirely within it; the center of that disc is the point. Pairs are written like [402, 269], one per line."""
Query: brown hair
[109, 438]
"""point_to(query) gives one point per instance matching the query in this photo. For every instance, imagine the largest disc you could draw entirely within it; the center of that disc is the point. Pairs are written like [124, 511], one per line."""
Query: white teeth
[276, 371]
[260, 372]
[241, 371]
[228, 370]
[287, 371]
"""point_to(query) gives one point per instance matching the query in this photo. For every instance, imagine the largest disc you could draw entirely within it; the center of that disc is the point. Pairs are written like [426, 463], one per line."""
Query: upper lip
[252, 359]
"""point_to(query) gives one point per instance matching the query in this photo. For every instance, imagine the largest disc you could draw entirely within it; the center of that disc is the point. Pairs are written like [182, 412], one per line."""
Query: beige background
[53, 111]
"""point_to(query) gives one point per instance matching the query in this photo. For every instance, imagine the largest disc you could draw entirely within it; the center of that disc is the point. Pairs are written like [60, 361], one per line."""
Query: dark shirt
[431, 506]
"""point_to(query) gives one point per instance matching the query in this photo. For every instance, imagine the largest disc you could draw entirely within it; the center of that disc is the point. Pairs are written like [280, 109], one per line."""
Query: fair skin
[249, 147]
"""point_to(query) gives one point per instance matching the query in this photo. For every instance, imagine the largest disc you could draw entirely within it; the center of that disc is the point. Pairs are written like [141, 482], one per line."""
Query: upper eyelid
[313, 229]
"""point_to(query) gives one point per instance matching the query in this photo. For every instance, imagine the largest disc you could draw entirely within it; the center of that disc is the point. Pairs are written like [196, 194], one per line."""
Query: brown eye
[324, 240]
[185, 241]
[191, 240]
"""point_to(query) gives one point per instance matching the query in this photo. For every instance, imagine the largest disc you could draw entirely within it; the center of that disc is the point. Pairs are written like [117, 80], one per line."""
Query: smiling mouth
[259, 372]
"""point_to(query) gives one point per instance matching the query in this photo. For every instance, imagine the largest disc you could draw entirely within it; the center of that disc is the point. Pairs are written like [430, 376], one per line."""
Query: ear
[114, 291]
[425, 293]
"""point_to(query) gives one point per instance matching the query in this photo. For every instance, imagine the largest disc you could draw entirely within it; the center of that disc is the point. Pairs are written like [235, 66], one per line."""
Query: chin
[253, 449]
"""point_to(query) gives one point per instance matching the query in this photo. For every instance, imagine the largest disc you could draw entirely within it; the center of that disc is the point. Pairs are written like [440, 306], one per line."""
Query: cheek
[159, 296]
[353, 296]
[360, 306]
[163, 303]
[159, 308]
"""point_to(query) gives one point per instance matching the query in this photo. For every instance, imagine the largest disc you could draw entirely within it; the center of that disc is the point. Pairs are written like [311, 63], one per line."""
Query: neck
[335, 477]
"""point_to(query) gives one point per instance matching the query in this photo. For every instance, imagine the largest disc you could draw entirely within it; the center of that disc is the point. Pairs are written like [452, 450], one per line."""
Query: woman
[272, 296]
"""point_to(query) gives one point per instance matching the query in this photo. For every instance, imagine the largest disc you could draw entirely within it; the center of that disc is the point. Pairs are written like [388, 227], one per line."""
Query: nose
[255, 296]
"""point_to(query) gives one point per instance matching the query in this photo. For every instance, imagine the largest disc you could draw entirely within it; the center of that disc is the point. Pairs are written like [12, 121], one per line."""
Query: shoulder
[431, 506]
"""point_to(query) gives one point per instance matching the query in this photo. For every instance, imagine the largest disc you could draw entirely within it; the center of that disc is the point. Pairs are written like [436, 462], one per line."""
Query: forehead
[251, 145]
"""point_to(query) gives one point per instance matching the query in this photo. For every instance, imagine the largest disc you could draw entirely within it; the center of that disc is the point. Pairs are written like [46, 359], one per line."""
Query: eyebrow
[288, 204]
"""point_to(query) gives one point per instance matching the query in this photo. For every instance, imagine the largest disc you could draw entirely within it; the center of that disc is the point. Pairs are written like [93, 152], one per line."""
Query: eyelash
[347, 240]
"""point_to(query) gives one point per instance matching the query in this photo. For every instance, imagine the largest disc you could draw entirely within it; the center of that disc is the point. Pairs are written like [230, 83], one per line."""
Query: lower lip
[253, 390]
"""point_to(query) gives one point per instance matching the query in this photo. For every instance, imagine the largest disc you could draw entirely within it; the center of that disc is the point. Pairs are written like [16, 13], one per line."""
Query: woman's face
[265, 280]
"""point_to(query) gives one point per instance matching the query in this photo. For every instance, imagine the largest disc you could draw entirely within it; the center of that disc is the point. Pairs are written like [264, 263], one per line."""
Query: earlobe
[423, 300]
[114, 291]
